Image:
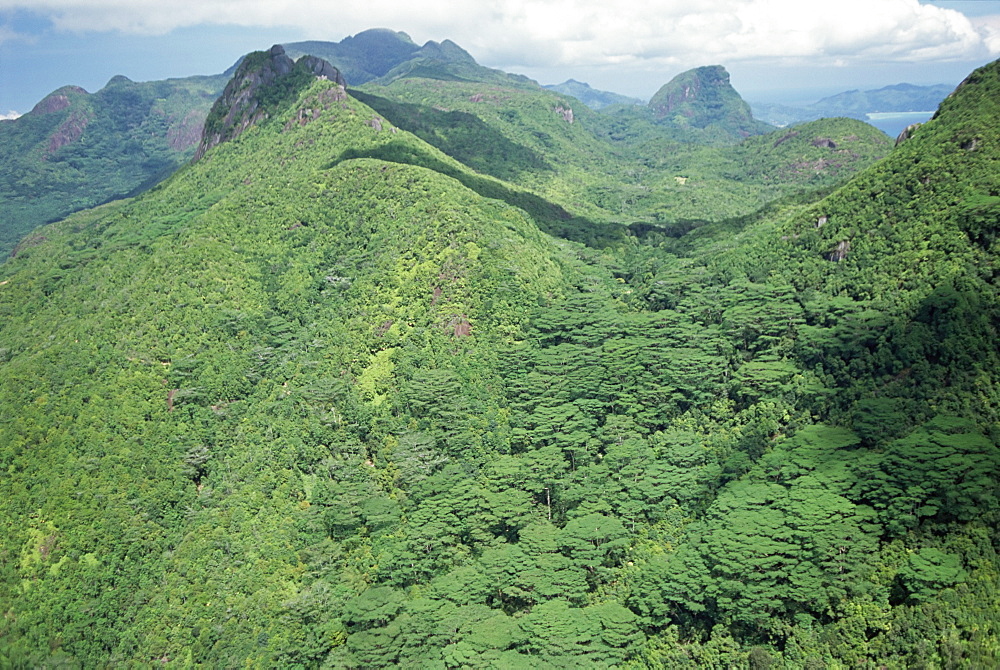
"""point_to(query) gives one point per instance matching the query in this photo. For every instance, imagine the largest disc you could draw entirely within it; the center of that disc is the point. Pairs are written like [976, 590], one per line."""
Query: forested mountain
[76, 150]
[623, 166]
[703, 98]
[385, 380]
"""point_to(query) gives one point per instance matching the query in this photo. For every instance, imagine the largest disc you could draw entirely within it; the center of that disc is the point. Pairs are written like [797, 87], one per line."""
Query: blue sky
[778, 50]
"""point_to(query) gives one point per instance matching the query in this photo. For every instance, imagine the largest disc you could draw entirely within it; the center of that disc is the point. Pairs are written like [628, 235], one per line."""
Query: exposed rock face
[69, 131]
[840, 253]
[907, 133]
[57, 101]
[187, 131]
[315, 106]
[322, 69]
[701, 97]
[240, 105]
[566, 113]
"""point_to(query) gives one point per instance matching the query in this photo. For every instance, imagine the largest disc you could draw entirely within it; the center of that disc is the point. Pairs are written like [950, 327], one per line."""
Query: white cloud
[586, 32]
[989, 28]
[10, 116]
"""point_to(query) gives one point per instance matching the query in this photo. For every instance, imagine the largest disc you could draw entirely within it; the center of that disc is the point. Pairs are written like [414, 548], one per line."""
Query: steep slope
[881, 505]
[76, 150]
[213, 358]
[701, 98]
[525, 135]
[261, 85]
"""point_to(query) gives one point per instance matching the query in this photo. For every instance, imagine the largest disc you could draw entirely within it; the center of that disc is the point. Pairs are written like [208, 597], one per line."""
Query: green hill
[76, 150]
[330, 397]
[617, 167]
[702, 97]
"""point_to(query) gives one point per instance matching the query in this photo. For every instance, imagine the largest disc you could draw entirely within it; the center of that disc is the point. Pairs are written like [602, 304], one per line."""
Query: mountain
[329, 397]
[591, 97]
[895, 98]
[858, 104]
[507, 146]
[619, 166]
[261, 85]
[343, 236]
[76, 150]
[702, 97]
[387, 55]
[368, 55]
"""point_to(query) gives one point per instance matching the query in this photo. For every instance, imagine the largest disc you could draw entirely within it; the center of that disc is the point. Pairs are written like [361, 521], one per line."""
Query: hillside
[703, 97]
[580, 168]
[620, 166]
[75, 150]
[339, 394]
[239, 296]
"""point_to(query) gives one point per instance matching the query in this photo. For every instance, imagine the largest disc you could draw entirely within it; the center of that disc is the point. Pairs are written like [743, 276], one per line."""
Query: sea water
[893, 123]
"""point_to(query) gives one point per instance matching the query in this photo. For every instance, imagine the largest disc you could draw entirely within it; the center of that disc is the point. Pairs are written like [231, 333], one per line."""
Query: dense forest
[445, 371]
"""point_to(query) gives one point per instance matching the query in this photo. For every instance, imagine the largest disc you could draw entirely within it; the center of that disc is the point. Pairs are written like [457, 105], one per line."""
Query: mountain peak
[262, 82]
[57, 100]
[701, 97]
[691, 91]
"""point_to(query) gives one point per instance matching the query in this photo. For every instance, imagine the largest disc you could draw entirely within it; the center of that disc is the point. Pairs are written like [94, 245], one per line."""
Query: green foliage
[76, 150]
[329, 397]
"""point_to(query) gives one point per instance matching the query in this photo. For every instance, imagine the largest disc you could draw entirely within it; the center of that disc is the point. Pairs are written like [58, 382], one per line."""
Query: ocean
[893, 123]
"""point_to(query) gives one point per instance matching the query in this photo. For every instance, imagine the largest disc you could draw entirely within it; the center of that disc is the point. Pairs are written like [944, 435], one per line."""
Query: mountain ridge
[315, 400]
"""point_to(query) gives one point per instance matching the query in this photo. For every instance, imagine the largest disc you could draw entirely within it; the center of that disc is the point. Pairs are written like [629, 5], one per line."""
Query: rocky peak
[261, 83]
[694, 92]
[701, 97]
[58, 100]
[322, 69]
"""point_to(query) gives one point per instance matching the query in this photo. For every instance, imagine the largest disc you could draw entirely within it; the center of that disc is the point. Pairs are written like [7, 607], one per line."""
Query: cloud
[989, 28]
[585, 32]
[10, 116]
[8, 35]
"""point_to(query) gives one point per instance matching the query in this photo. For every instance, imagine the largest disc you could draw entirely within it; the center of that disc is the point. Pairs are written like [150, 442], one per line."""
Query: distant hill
[76, 150]
[702, 97]
[592, 97]
[386, 55]
[857, 104]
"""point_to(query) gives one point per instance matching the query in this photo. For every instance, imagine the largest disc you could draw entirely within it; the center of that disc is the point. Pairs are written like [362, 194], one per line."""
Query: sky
[775, 50]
